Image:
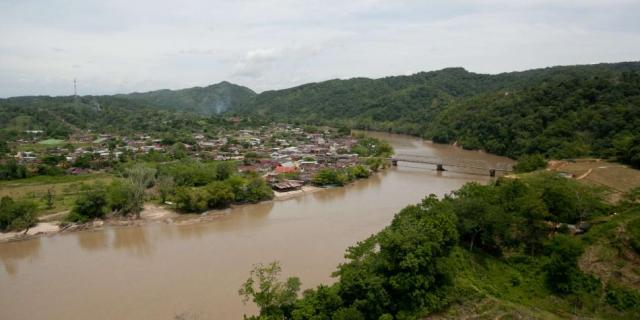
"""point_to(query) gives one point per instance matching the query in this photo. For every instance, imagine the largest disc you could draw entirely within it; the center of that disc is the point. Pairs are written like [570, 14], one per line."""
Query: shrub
[125, 197]
[359, 172]
[329, 176]
[17, 215]
[622, 298]
[89, 205]
[219, 194]
[562, 272]
[633, 229]
[530, 163]
[275, 298]
[191, 199]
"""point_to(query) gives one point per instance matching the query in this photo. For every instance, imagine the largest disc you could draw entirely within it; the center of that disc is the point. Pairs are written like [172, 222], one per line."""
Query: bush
[17, 215]
[562, 272]
[530, 163]
[275, 298]
[12, 170]
[372, 147]
[125, 197]
[622, 298]
[376, 163]
[359, 172]
[219, 194]
[256, 190]
[197, 174]
[89, 205]
[191, 199]
[166, 187]
[633, 229]
[329, 176]
[568, 200]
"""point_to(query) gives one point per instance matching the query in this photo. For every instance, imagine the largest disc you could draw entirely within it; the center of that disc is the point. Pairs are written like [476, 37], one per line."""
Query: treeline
[371, 147]
[566, 116]
[419, 263]
[208, 100]
[196, 187]
[340, 177]
[192, 186]
[59, 117]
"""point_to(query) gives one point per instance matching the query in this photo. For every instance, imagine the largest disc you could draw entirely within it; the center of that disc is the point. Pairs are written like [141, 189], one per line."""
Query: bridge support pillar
[439, 167]
[492, 172]
[394, 162]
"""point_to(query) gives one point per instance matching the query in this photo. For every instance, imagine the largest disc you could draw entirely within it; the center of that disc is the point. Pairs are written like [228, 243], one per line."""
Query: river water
[160, 270]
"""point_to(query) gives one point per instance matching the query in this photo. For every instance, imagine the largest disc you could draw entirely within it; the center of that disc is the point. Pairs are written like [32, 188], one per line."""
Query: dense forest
[208, 100]
[503, 250]
[59, 117]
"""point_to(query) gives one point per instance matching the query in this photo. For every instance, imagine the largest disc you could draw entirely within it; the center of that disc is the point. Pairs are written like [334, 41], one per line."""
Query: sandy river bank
[152, 213]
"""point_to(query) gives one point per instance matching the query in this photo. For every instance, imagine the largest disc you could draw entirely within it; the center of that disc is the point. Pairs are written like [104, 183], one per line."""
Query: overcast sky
[123, 46]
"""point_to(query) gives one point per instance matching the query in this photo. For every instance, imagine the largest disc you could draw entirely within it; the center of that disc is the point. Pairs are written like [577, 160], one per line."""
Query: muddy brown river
[161, 270]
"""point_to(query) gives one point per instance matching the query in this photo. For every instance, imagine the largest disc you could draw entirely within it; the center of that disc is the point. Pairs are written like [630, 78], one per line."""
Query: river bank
[152, 213]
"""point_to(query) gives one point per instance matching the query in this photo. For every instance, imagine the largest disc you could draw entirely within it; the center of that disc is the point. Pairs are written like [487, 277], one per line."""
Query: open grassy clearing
[618, 178]
[52, 142]
[64, 188]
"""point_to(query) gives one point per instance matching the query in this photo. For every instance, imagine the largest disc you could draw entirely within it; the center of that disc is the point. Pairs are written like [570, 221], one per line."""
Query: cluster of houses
[286, 156]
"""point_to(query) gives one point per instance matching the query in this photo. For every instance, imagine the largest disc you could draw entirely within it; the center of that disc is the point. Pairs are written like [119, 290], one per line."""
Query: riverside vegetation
[511, 248]
[183, 178]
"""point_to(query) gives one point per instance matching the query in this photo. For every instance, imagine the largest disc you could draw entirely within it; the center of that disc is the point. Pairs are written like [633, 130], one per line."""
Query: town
[286, 156]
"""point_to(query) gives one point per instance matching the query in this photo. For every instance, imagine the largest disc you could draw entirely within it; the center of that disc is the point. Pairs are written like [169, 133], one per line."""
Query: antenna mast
[75, 88]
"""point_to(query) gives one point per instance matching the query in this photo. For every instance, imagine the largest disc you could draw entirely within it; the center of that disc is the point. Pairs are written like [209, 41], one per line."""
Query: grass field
[618, 178]
[52, 142]
[65, 189]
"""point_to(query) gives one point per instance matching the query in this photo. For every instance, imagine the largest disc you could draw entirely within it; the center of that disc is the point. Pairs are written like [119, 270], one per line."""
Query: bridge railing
[441, 162]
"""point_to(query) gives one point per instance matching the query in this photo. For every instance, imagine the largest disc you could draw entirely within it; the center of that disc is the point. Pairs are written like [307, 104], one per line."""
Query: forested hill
[566, 111]
[212, 99]
[58, 117]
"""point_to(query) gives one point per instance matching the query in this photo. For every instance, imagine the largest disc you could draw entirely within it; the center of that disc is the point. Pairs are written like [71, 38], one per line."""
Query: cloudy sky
[119, 46]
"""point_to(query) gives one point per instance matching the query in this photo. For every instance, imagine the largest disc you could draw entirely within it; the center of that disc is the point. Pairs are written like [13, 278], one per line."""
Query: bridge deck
[452, 162]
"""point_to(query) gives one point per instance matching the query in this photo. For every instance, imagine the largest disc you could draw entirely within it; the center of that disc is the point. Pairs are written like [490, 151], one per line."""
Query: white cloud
[123, 46]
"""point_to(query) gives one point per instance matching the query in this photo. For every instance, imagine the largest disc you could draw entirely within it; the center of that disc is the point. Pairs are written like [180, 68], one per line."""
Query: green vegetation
[59, 117]
[52, 194]
[274, 298]
[198, 186]
[51, 142]
[633, 228]
[212, 99]
[372, 147]
[90, 205]
[528, 163]
[560, 112]
[17, 215]
[340, 177]
[496, 245]
[12, 170]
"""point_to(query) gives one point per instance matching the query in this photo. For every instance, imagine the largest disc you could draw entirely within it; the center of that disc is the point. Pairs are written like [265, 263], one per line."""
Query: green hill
[212, 99]
[58, 117]
[565, 112]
